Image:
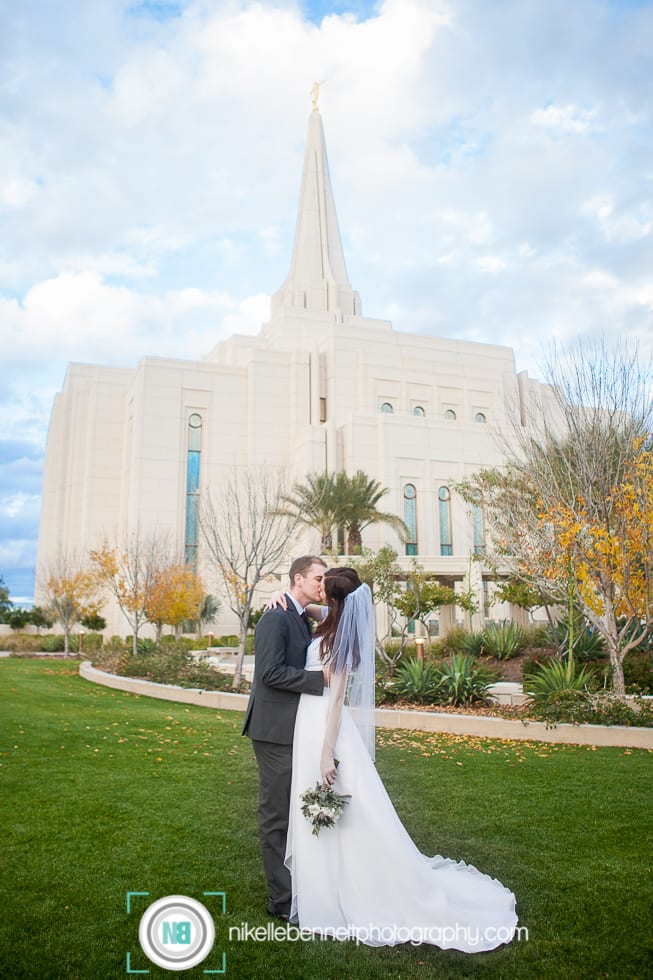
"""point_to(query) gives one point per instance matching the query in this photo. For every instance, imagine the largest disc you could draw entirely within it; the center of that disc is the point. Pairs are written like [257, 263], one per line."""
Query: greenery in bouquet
[322, 806]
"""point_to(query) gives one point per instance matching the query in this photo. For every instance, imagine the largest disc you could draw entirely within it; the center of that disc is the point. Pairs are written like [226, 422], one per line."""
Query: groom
[280, 643]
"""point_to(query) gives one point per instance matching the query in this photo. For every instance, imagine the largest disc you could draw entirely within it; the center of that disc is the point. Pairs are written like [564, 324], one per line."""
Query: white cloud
[80, 316]
[566, 119]
[491, 263]
[17, 191]
[16, 504]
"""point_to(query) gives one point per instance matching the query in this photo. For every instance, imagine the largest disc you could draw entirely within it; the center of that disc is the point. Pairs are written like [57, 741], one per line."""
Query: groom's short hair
[300, 566]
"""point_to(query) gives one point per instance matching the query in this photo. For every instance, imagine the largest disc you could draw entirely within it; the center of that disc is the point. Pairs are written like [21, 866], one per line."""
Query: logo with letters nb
[176, 932]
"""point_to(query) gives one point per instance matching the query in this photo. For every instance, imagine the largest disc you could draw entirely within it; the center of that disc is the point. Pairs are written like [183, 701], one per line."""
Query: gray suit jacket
[280, 646]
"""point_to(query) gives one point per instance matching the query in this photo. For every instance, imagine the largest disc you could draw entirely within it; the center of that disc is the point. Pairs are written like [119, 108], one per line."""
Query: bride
[364, 878]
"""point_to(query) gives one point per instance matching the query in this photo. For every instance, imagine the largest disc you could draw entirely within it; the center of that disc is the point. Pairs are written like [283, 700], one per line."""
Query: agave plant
[416, 679]
[474, 644]
[460, 680]
[587, 643]
[504, 640]
[552, 678]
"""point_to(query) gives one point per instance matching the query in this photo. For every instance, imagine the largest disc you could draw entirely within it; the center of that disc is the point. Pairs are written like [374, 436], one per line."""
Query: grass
[103, 792]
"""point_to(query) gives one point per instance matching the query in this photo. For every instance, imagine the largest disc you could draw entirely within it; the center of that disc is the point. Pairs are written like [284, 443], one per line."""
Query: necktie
[304, 619]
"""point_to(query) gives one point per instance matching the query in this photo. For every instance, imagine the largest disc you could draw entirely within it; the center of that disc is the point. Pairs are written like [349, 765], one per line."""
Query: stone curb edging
[425, 721]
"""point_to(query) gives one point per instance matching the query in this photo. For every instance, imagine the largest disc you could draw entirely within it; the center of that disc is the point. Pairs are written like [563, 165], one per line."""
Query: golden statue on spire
[315, 93]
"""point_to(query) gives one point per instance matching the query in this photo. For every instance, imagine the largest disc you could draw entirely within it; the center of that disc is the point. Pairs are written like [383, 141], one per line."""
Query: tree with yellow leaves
[70, 594]
[610, 552]
[175, 594]
[572, 514]
[129, 571]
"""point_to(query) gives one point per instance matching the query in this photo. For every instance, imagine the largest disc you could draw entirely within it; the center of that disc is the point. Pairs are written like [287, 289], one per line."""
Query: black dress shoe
[284, 916]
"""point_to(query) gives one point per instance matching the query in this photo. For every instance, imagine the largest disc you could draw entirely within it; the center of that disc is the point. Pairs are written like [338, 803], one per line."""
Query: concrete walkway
[425, 721]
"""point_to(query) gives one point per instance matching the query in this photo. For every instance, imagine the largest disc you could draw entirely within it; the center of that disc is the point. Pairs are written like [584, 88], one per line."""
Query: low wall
[424, 721]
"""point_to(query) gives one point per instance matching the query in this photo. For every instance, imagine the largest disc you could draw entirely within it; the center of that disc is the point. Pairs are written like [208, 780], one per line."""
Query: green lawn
[102, 793]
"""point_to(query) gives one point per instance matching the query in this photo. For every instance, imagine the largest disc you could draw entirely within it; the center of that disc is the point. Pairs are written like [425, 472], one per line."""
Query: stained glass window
[410, 518]
[193, 461]
[444, 511]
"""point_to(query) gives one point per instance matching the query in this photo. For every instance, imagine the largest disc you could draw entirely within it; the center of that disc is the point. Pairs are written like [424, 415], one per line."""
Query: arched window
[410, 518]
[419, 410]
[480, 417]
[387, 408]
[478, 531]
[193, 459]
[450, 414]
[444, 512]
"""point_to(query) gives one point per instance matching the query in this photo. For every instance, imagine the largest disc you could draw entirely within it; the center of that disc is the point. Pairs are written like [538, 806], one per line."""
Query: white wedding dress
[365, 879]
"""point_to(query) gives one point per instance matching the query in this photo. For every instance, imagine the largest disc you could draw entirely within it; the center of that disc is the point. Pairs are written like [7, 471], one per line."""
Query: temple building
[321, 387]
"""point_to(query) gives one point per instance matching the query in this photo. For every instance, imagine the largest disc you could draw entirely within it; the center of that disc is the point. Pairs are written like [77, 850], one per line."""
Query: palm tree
[314, 504]
[358, 496]
[329, 501]
[209, 612]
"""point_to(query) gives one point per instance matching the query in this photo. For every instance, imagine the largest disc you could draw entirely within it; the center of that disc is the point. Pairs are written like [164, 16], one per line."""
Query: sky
[491, 160]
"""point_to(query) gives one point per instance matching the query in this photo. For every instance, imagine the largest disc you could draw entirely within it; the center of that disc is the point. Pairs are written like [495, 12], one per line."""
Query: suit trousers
[275, 776]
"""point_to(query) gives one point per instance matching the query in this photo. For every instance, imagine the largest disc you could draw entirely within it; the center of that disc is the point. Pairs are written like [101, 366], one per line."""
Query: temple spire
[317, 281]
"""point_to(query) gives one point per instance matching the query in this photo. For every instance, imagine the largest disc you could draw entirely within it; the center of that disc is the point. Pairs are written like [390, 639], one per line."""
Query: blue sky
[492, 164]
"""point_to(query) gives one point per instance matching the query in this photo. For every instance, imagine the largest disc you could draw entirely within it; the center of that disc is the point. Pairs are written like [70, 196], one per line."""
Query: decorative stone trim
[424, 721]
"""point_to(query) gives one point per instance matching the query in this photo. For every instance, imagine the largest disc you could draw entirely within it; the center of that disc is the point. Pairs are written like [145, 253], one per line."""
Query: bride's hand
[277, 599]
[328, 771]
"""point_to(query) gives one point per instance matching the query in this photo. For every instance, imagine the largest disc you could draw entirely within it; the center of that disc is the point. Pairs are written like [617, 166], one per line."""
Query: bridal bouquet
[322, 807]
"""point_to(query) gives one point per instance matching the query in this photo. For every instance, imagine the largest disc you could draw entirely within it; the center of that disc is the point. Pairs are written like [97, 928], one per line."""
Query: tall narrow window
[386, 408]
[410, 518]
[444, 510]
[478, 531]
[193, 459]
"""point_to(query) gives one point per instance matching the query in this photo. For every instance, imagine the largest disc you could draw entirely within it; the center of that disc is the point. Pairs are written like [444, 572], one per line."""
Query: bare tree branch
[247, 537]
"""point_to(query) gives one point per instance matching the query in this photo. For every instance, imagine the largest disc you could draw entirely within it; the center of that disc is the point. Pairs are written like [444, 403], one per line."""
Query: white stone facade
[321, 387]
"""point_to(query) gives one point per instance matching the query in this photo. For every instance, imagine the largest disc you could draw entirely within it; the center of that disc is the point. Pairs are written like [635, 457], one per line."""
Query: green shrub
[187, 642]
[384, 692]
[460, 680]
[454, 640]
[225, 641]
[115, 644]
[91, 642]
[54, 644]
[170, 663]
[551, 678]
[585, 708]
[416, 679]
[145, 645]
[538, 635]
[504, 640]
[638, 672]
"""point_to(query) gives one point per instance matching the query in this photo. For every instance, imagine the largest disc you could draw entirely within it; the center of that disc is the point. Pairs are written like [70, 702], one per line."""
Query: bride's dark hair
[338, 583]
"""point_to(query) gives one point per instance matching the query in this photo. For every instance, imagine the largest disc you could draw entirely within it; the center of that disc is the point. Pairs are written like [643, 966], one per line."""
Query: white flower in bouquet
[322, 806]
